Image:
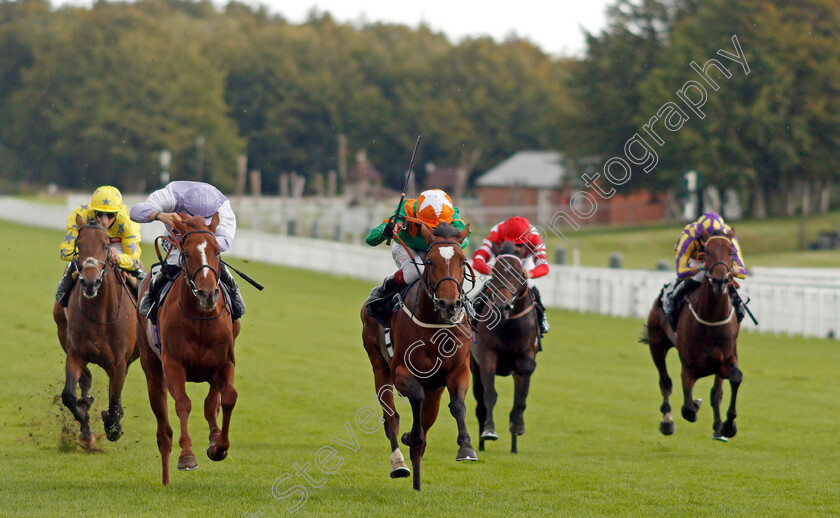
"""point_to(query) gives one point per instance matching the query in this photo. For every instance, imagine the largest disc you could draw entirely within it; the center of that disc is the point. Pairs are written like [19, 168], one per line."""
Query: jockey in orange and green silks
[106, 207]
[689, 246]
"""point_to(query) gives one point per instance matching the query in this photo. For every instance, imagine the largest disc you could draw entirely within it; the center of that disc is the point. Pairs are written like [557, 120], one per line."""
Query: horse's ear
[731, 233]
[214, 222]
[79, 221]
[428, 234]
[178, 226]
[462, 235]
[704, 236]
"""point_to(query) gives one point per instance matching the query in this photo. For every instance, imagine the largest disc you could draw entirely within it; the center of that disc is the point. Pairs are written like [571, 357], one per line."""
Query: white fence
[785, 301]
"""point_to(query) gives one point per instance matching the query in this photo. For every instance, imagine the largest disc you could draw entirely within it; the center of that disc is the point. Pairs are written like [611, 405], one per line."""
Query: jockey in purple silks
[690, 268]
[195, 199]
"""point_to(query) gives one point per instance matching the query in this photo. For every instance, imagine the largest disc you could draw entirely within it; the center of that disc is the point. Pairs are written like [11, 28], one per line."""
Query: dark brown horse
[98, 327]
[431, 342]
[197, 338]
[506, 342]
[706, 335]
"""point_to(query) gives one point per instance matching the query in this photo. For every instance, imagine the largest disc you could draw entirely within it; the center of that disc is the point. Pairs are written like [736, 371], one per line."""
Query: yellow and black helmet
[106, 199]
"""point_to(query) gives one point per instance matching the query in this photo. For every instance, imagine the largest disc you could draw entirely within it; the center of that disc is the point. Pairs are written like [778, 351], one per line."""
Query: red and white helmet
[517, 229]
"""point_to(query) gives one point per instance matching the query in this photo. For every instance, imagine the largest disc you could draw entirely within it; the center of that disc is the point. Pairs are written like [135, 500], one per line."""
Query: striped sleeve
[536, 246]
[484, 255]
[740, 269]
[68, 245]
[685, 248]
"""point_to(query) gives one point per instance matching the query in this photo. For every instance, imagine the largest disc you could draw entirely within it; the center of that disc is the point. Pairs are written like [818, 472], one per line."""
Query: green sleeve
[458, 223]
[375, 236]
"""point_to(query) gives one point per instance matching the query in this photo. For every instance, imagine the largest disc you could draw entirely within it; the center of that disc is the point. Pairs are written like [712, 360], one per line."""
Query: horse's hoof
[728, 429]
[466, 454]
[216, 454]
[187, 463]
[489, 435]
[689, 414]
[667, 428]
[400, 470]
[114, 433]
[719, 437]
[517, 428]
[86, 441]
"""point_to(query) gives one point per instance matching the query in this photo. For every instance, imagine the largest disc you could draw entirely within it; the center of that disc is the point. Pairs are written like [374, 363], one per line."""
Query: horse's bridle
[516, 296]
[105, 264]
[707, 272]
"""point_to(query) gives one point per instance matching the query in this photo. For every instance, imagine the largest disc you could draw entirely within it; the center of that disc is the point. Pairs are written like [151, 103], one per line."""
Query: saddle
[382, 308]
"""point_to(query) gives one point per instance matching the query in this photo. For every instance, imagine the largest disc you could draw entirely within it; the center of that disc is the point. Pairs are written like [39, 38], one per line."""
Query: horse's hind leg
[111, 418]
[385, 394]
[521, 384]
[157, 399]
[176, 379]
[219, 450]
[735, 377]
[85, 381]
[74, 366]
[659, 345]
[428, 415]
[478, 394]
[487, 372]
[715, 398]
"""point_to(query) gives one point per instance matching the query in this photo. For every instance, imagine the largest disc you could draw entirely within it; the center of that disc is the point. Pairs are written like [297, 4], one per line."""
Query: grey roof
[538, 169]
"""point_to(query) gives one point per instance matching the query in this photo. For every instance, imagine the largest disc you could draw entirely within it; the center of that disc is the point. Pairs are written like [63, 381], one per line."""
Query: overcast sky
[553, 25]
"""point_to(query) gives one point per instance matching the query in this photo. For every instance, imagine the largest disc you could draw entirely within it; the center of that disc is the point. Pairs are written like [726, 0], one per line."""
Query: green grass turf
[592, 446]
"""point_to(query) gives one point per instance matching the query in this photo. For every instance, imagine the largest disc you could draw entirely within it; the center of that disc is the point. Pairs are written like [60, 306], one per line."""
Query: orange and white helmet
[106, 199]
[433, 207]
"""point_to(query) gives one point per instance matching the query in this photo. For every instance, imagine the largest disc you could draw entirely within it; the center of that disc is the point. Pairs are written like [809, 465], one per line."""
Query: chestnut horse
[197, 338]
[431, 339]
[706, 335]
[98, 327]
[506, 342]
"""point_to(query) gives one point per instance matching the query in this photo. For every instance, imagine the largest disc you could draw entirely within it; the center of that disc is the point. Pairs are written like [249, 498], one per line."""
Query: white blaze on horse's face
[447, 252]
[203, 249]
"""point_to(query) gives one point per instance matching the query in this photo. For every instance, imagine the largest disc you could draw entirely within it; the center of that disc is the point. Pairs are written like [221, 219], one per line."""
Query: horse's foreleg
[111, 418]
[478, 394]
[218, 451]
[715, 397]
[407, 384]
[176, 379]
[690, 406]
[458, 383]
[487, 371]
[212, 405]
[735, 377]
[73, 368]
[385, 395]
[521, 384]
[84, 384]
[157, 399]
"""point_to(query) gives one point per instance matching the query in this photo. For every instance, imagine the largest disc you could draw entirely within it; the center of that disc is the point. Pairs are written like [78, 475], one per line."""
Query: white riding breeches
[404, 263]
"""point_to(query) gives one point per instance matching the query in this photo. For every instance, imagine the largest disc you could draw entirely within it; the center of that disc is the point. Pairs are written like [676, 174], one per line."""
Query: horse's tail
[645, 336]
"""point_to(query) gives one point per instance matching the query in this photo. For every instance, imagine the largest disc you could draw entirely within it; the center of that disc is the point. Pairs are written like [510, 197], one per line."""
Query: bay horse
[506, 343]
[196, 344]
[431, 339]
[97, 327]
[706, 336]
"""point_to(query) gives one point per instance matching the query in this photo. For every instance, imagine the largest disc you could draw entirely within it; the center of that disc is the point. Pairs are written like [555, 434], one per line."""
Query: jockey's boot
[544, 327]
[65, 285]
[388, 287]
[674, 302]
[379, 296]
[160, 278]
[237, 304]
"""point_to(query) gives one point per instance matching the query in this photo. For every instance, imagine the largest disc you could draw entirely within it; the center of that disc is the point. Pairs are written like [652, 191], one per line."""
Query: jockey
[195, 199]
[431, 207]
[690, 267]
[525, 236]
[106, 207]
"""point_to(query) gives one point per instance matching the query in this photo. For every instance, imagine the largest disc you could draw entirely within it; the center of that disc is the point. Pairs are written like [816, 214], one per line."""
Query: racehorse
[196, 344]
[706, 335]
[431, 336]
[506, 342]
[98, 327]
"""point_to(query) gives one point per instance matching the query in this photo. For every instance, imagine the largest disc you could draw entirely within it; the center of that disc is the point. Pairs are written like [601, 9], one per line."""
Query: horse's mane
[446, 230]
[508, 247]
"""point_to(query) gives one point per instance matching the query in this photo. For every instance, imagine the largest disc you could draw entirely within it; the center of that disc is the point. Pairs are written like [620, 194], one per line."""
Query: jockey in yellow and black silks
[106, 207]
